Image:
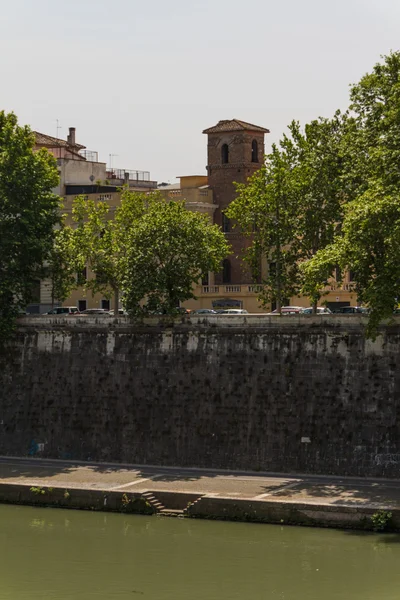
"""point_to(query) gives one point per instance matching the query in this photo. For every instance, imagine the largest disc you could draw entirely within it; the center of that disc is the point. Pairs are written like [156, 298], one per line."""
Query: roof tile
[43, 139]
[234, 125]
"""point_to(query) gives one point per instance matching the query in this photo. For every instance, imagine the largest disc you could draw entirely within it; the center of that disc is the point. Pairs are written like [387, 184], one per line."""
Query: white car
[233, 311]
[64, 310]
[288, 310]
[321, 310]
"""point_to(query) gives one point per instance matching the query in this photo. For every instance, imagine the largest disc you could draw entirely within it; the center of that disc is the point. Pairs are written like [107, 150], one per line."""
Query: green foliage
[292, 205]
[28, 214]
[266, 210]
[125, 500]
[381, 520]
[167, 252]
[63, 264]
[151, 250]
[38, 491]
[368, 242]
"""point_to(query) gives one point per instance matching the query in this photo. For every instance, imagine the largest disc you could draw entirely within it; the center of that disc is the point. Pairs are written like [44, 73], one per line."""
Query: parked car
[64, 310]
[288, 310]
[232, 311]
[321, 310]
[204, 311]
[351, 310]
[121, 312]
[96, 312]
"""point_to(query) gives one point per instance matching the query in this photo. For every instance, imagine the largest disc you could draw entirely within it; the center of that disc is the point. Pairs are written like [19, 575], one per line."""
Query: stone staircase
[171, 504]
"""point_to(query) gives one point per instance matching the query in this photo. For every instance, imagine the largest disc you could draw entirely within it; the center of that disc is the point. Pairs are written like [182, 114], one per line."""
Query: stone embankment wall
[292, 394]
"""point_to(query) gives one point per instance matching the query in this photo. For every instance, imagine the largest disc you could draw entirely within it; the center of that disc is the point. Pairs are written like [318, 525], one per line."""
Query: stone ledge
[206, 507]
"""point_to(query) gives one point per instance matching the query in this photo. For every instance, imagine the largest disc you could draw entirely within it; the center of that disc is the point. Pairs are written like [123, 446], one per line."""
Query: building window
[225, 154]
[338, 273]
[352, 276]
[204, 279]
[105, 304]
[226, 271]
[81, 305]
[226, 224]
[254, 151]
[272, 269]
[81, 276]
[35, 292]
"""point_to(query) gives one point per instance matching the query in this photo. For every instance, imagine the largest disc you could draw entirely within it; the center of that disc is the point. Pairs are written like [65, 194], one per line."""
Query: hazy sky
[143, 79]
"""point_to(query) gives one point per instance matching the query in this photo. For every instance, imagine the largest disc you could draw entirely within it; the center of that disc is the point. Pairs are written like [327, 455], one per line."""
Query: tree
[266, 211]
[28, 215]
[150, 250]
[292, 206]
[169, 250]
[100, 241]
[317, 166]
[63, 265]
[369, 240]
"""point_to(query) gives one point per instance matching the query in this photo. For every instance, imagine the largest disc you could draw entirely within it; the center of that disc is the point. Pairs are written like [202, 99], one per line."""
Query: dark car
[352, 310]
[95, 312]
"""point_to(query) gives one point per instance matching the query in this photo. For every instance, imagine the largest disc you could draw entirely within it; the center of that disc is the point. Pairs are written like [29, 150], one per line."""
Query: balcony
[230, 289]
[134, 179]
[340, 287]
[132, 175]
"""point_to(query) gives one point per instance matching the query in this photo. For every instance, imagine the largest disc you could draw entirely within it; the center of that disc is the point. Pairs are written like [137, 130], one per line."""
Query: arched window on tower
[254, 151]
[225, 154]
[226, 271]
[226, 224]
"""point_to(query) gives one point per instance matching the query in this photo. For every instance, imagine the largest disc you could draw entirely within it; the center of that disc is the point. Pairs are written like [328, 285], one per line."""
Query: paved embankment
[230, 495]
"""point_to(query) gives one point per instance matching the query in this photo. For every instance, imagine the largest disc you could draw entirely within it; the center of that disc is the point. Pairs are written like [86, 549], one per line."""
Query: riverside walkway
[219, 491]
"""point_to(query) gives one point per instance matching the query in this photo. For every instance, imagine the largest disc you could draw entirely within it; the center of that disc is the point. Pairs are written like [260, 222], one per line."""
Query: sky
[140, 80]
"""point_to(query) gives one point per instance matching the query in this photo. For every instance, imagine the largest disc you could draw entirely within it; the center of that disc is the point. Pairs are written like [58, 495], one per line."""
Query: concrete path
[307, 489]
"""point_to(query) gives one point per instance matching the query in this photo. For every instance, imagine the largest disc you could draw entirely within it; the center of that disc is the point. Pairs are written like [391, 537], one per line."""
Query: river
[59, 554]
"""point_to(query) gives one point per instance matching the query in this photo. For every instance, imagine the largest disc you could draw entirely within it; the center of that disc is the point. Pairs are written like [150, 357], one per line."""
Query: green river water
[60, 554]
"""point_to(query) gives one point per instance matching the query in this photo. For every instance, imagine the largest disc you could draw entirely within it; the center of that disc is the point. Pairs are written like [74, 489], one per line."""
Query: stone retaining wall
[292, 394]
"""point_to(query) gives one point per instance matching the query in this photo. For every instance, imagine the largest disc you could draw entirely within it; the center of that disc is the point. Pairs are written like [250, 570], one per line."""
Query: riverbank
[196, 493]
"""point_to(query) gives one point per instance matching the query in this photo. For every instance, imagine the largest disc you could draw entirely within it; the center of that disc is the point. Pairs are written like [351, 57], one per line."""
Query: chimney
[71, 136]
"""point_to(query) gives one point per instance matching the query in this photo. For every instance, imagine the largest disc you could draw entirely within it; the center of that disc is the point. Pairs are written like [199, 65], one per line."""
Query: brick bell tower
[235, 151]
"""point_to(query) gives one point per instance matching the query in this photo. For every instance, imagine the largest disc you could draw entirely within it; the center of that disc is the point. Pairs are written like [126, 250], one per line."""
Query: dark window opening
[81, 305]
[226, 224]
[204, 279]
[352, 276]
[81, 276]
[225, 154]
[105, 304]
[254, 151]
[35, 292]
[272, 269]
[338, 273]
[226, 271]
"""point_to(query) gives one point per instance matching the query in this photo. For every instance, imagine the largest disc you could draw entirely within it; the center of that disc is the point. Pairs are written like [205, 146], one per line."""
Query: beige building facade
[81, 173]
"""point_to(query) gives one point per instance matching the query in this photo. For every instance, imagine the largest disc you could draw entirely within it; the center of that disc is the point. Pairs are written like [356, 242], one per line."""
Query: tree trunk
[278, 262]
[314, 307]
[116, 302]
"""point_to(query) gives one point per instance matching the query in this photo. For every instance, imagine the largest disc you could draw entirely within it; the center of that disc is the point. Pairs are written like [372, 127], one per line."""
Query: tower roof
[234, 125]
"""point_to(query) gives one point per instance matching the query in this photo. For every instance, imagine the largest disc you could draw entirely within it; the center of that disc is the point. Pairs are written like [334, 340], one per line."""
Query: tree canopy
[368, 241]
[292, 205]
[150, 250]
[28, 215]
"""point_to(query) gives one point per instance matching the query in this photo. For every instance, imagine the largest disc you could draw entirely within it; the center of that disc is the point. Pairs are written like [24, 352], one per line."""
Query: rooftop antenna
[111, 157]
[57, 129]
